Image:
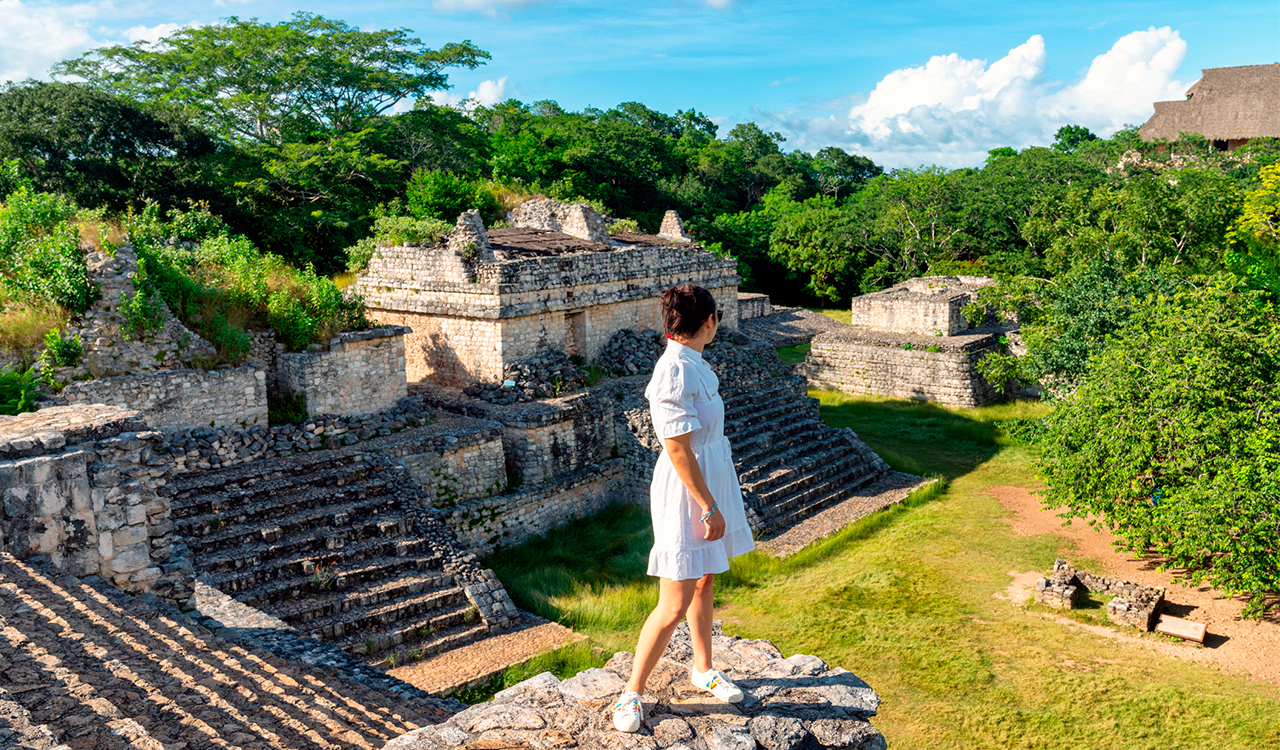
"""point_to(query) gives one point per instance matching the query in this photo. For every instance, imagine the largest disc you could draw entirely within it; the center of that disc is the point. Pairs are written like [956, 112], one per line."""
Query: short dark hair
[685, 308]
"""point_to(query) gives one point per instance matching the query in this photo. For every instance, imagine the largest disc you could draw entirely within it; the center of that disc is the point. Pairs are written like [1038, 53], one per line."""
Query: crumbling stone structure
[554, 280]
[180, 399]
[80, 490]
[911, 341]
[361, 372]
[1132, 604]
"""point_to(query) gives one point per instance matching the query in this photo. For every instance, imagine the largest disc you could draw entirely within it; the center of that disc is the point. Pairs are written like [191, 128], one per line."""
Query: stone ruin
[359, 530]
[911, 341]
[1132, 604]
[554, 280]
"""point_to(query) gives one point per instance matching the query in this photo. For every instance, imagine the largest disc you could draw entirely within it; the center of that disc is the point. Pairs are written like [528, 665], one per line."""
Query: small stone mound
[790, 704]
[631, 353]
[550, 373]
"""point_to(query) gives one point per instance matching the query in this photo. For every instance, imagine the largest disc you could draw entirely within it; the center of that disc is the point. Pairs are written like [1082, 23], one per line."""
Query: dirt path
[1235, 644]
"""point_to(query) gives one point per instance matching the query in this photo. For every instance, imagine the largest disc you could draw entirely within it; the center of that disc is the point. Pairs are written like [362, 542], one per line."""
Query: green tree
[320, 74]
[1069, 138]
[1174, 441]
[101, 149]
[436, 194]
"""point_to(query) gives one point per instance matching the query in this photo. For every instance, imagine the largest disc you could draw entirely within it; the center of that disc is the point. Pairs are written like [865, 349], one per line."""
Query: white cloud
[488, 93]
[35, 37]
[951, 110]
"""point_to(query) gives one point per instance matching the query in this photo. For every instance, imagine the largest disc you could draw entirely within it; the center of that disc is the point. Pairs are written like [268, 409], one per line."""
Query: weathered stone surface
[801, 704]
[592, 684]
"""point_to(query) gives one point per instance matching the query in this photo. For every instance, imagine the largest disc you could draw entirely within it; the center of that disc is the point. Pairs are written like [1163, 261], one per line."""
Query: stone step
[393, 555]
[231, 512]
[307, 603]
[768, 404]
[782, 485]
[442, 608]
[816, 496]
[276, 472]
[752, 446]
[427, 636]
[101, 669]
[303, 609]
[310, 529]
[801, 450]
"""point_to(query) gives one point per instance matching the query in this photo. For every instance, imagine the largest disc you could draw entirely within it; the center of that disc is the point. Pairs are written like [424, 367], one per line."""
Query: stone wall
[576, 220]
[923, 306]
[542, 439]
[362, 372]
[177, 399]
[932, 368]
[265, 351]
[753, 306]
[518, 516]
[457, 469]
[79, 489]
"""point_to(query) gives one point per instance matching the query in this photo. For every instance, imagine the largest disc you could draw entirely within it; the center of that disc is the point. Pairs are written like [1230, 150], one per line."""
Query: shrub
[143, 311]
[1174, 439]
[196, 223]
[391, 227]
[18, 391]
[620, 226]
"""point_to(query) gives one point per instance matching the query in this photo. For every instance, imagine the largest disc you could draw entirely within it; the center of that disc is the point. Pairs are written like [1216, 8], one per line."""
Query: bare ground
[1233, 643]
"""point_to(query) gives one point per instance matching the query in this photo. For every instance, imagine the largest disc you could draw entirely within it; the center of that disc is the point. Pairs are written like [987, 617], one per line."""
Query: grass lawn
[844, 315]
[904, 599]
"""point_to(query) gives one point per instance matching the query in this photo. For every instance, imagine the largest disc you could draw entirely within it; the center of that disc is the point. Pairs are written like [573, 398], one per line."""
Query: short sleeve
[670, 394]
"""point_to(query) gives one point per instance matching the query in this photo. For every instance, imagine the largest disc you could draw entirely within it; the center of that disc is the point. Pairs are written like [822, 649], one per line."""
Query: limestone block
[131, 559]
[128, 536]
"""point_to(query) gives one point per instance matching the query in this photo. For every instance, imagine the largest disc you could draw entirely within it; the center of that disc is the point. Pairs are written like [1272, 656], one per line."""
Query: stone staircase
[790, 463]
[335, 544]
[88, 667]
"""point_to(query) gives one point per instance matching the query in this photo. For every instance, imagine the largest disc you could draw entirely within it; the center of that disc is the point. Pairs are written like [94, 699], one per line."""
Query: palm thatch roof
[1225, 104]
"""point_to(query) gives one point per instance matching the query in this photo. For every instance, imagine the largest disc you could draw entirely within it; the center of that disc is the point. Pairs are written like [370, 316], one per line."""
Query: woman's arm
[682, 458]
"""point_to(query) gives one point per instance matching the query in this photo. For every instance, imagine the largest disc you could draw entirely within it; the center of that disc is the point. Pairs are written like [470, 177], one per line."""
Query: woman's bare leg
[674, 598]
[700, 611]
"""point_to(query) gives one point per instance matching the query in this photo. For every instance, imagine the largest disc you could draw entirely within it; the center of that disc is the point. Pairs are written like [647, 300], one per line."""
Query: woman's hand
[714, 526]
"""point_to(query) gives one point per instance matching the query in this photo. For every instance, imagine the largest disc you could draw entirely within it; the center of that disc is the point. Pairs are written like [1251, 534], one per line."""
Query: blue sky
[906, 83]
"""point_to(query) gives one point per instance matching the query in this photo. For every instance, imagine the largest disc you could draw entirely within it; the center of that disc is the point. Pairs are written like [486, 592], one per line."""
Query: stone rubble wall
[520, 515]
[466, 468]
[80, 491]
[361, 373]
[753, 306]
[576, 220]
[181, 399]
[108, 351]
[861, 362]
[490, 598]
[796, 703]
[922, 306]
[1133, 604]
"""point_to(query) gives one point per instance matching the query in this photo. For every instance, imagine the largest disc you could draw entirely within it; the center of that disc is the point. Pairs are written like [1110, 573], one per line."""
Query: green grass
[844, 315]
[905, 599]
[791, 355]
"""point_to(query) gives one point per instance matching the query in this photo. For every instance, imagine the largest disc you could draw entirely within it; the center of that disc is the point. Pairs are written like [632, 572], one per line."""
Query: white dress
[684, 398]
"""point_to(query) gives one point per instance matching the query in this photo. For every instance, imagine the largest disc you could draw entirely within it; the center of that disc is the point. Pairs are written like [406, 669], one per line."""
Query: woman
[698, 518]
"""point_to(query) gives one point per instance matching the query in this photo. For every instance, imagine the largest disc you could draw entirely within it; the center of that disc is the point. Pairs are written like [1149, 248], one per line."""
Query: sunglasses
[719, 315]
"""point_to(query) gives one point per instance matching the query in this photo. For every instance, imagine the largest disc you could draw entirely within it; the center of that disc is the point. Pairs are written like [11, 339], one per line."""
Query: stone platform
[792, 703]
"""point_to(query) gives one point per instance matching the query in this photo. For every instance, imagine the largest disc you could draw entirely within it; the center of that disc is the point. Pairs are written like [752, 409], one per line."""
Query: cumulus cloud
[951, 110]
[36, 35]
[487, 94]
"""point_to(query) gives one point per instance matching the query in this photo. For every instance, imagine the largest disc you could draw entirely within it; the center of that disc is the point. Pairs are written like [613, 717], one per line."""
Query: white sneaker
[715, 682]
[627, 713]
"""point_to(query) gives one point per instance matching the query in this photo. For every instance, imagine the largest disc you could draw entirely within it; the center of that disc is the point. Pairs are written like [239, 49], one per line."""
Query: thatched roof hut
[1227, 105]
